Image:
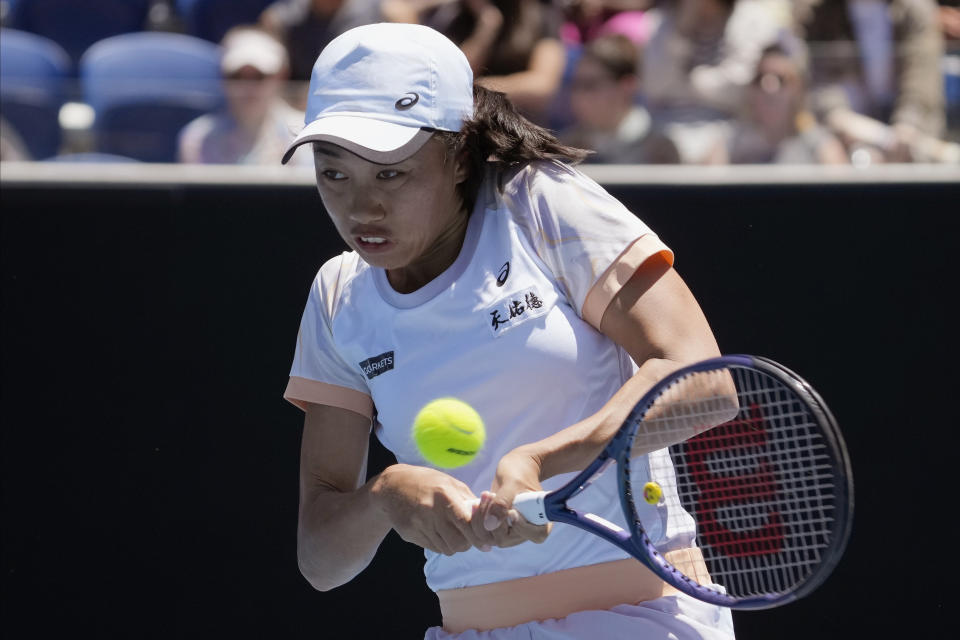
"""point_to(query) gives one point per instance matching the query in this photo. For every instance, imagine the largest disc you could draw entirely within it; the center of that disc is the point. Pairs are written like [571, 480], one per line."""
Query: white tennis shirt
[511, 328]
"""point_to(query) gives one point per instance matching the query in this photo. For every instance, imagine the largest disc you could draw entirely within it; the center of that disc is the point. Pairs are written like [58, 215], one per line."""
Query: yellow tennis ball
[652, 492]
[448, 432]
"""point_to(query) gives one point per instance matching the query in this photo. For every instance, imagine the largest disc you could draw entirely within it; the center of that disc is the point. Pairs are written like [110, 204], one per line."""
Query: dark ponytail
[499, 135]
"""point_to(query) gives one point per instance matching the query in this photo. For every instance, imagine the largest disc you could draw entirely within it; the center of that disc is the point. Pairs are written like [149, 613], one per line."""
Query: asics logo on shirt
[504, 274]
[375, 365]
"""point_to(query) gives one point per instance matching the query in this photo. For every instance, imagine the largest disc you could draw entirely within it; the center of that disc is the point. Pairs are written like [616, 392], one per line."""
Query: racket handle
[530, 505]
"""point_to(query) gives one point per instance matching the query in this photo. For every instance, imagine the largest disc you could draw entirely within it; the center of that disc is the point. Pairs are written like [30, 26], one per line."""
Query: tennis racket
[748, 449]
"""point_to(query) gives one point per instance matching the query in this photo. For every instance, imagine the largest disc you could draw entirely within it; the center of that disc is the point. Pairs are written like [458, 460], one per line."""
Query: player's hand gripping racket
[754, 455]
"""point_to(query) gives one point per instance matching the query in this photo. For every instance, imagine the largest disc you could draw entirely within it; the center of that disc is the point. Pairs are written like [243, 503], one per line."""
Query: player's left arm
[657, 320]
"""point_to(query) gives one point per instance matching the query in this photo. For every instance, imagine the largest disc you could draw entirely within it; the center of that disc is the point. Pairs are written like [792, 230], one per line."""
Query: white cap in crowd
[380, 90]
[250, 47]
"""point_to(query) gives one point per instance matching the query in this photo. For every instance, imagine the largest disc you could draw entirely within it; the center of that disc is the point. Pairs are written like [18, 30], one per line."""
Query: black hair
[500, 136]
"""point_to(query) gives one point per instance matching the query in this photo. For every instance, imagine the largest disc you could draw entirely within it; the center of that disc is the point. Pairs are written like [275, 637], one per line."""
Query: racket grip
[530, 505]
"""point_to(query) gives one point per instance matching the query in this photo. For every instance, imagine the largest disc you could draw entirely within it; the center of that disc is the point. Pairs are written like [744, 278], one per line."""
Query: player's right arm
[338, 530]
[343, 518]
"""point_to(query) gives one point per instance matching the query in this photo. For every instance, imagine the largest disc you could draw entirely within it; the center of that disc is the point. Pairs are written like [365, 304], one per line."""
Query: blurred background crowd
[637, 81]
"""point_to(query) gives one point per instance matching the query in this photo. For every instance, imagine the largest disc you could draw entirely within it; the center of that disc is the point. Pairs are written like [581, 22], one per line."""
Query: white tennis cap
[380, 90]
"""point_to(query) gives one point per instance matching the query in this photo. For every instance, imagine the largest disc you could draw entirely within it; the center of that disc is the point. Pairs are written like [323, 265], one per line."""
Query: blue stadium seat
[77, 25]
[145, 87]
[211, 19]
[33, 87]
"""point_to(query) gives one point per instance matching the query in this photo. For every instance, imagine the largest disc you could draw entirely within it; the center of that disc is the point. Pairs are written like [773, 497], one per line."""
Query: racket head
[769, 483]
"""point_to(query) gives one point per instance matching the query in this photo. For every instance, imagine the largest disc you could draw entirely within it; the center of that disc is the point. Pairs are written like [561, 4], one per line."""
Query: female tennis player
[483, 267]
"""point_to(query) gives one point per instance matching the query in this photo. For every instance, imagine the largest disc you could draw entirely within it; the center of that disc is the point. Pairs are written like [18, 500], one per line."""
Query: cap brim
[373, 140]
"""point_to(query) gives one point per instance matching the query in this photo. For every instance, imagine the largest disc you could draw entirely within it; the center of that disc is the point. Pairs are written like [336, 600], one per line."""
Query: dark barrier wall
[150, 464]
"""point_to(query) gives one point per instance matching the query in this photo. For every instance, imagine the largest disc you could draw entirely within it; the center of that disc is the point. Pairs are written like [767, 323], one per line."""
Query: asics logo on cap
[407, 101]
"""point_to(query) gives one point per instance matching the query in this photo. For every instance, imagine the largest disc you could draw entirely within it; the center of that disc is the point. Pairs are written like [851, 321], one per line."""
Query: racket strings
[749, 462]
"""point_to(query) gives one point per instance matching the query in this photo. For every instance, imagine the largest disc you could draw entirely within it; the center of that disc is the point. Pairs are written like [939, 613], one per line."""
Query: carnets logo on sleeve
[374, 366]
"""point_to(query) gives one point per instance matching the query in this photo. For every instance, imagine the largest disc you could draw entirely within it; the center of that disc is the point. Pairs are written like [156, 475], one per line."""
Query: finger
[431, 541]
[519, 526]
[440, 544]
[506, 537]
[495, 512]
[456, 524]
[453, 537]
[483, 537]
[465, 507]
[515, 530]
[491, 521]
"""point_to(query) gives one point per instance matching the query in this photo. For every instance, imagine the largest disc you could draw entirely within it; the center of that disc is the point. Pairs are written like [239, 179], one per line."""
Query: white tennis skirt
[676, 617]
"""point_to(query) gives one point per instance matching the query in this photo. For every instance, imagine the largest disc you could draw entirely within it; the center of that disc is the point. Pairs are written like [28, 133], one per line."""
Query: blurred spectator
[603, 101]
[777, 128]
[12, 148]
[163, 16]
[699, 60]
[306, 26]
[513, 46]
[586, 20]
[258, 124]
[950, 25]
[950, 21]
[881, 59]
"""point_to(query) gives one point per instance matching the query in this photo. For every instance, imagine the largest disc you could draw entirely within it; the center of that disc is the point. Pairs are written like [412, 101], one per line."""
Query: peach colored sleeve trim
[302, 391]
[610, 282]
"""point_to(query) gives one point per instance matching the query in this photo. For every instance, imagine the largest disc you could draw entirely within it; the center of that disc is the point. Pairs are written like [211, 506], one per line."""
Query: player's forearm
[573, 448]
[478, 45]
[529, 90]
[535, 87]
[338, 534]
